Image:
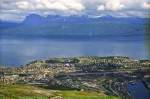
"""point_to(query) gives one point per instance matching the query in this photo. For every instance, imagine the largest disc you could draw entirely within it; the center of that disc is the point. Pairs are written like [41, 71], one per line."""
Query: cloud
[42, 7]
[113, 5]
[51, 5]
[23, 5]
[146, 5]
[125, 8]
[101, 7]
[17, 10]
[116, 5]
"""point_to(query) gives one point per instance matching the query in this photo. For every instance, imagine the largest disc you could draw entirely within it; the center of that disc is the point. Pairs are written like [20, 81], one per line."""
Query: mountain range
[74, 27]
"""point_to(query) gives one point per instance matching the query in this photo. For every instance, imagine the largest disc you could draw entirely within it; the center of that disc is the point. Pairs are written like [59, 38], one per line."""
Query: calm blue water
[138, 91]
[15, 52]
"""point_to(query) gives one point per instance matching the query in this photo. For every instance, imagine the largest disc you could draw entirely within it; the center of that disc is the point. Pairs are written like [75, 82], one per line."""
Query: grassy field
[32, 92]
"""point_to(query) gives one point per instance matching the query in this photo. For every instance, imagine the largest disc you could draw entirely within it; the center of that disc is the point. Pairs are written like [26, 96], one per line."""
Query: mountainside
[74, 27]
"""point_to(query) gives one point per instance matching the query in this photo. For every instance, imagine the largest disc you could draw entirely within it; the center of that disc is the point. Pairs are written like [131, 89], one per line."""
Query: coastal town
[111, 74]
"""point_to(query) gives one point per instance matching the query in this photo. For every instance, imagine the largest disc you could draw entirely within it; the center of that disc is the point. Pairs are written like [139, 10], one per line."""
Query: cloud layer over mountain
[17, 10]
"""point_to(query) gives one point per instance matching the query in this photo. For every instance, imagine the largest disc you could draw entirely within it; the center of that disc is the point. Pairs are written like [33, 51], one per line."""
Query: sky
[17, 10]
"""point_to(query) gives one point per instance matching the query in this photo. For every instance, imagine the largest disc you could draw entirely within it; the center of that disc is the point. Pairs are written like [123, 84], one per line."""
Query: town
[111, 74]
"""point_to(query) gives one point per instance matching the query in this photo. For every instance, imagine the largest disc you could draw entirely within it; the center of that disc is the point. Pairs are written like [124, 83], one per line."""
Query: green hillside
[32, 92]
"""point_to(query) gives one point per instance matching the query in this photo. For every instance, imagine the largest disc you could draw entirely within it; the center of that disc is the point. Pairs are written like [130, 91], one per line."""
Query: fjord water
[138, 91]
[38, 38]
[19, 52]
